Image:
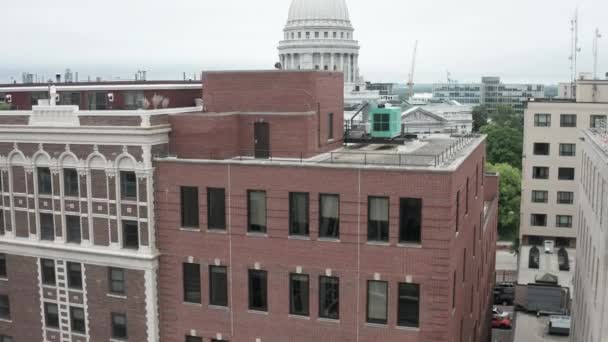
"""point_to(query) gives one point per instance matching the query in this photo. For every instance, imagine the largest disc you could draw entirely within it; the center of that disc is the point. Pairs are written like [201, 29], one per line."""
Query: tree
[505, 116]
[480, 117]
[510, 199]
[504, 144]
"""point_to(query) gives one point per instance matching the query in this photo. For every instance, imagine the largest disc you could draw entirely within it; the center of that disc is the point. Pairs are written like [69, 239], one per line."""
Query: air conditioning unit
[8, 98]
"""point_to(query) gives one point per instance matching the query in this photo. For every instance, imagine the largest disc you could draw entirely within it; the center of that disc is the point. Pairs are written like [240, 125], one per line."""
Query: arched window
[534, 258]
[563, 260]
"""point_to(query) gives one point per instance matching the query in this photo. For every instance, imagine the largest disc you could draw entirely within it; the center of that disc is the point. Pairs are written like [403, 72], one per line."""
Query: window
[298, 294]
[3, 273]
[119, 326]
[567, 120]
[77, 320]
[567, 150]
[316, 34]
[329, 216]
[189, 206]
[541, 149]
[258, 290]
[44, 180]
[134, 99]
[596, 121]
[128, 185]
[298, 213]
[299, 35]
[307, 35]
[381, 122]
[563, 221]
[565, 197]
[195, 338]
[256, 209]
[51, 315]
[566, 173]
[74, 275]
[4, 338]
[540, 172]
[130, 234]
[342, 35]
[47, 271]
[538, 220]
[216, 208]
[329, 297]
[457, 210]
[410, 220]
[70, 182]
[539, 196]
[330, 126]
[218, 285]
[192, 283]
[72, 224]
[335, 34]
[5, 307]
[408, 306]
[542, 120]
[116, 280]
[326, 35]
[377, 302]
[377, 222]
[47, 227]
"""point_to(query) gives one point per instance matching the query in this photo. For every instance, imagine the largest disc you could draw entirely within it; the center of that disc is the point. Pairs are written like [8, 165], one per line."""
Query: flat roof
[548, 264]
[530, 328]
[599, 139]
[110, 85]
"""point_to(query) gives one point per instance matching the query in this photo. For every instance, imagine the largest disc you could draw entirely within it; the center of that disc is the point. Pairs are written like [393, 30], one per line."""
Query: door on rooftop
[261, 137]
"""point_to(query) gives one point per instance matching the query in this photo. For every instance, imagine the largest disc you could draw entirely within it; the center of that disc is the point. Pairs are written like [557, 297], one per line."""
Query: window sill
[193, 304]
[298, 237]
[260, 235]
[407, 328]
[6, 320]
[306, 318]
[376, 325]
[218, 307]
[193, 230]
[114, 339]
[4, 279]
[217, 231]
[117, 296]
[328, 320]
[410, 245]
[328, 240]
[377, 243]
[256, 312]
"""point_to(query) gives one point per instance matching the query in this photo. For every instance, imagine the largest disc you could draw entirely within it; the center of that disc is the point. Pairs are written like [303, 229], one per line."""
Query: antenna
[596, 37]
[410, 82]
[575, 49]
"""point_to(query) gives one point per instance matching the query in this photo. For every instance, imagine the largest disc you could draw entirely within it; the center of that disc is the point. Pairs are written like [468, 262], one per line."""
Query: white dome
[305, 10]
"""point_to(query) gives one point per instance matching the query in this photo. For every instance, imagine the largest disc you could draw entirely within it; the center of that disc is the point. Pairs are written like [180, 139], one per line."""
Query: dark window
[119, 326]
[540, 172]
[47, 227]
[565, 197]
[3, 273]
[47, 271]
[72, 224]
[567, 120]
[454, 290]
[329, 216]
[97, 100]
[567, 150]
[539, 196]
[77, 320]
[218, 285]
[410, 220]
[258, 290]
[597, 121]
[117, 280]
[457, 210]
[329, 297]
[74, 275]
[377, 221]
[377, 302]
[130, 234]
[5, 307]
[563, 221]
[192, 283]
[534, 258]
[128, 185]
[134, 99]
[189, 206]
[256, 208]
[566, 173]
[538, 220]
[216, 208]
[299, 294]
[51, 315]
[381, 122]
[330, 126]
[4, 338]
[70, 182]
[44, 180]
[408, 307]
[298, 213]
[542, 120]
[194, 339]
[466, 198]
[541, 149]
[70, 99]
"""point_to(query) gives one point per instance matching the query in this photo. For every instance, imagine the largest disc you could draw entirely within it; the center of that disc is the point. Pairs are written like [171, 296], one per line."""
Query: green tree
[505, 116]
[504, 144]
[480, 117]
[510, 199]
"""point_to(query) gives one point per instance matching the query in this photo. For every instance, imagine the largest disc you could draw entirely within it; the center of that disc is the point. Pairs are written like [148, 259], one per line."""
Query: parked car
[498, 313]
[504, 295]
[501, 323]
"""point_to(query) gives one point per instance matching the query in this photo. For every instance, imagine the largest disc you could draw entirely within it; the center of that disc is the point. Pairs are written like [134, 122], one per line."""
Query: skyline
[500, 48]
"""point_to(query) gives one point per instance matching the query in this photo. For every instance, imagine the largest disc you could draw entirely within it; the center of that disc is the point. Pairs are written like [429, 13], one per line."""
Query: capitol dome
[318, 10]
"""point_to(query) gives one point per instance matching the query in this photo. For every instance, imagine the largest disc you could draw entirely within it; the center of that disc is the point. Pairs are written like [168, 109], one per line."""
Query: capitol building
[319, 36]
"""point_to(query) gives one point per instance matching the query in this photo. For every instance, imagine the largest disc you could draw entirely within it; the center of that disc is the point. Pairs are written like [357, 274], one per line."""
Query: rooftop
[530, 328]
[599, 137]
[109, 85]
[548, 264]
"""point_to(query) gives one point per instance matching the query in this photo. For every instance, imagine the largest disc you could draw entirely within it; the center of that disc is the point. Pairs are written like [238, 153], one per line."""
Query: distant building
[450, 117]
[491, 92]
[590, 314]
[386, 90]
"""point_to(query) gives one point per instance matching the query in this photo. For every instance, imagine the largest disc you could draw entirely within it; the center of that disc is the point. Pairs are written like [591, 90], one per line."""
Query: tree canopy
[510, 199]
[504, 144]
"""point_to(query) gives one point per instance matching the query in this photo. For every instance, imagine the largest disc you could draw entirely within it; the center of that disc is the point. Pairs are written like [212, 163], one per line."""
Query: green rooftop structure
[385, 122]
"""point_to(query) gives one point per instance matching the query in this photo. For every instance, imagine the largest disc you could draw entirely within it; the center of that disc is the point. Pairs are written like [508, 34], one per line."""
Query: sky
[518, 40]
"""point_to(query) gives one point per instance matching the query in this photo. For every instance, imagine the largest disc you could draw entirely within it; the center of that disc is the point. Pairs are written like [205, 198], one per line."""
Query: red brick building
[269, 230]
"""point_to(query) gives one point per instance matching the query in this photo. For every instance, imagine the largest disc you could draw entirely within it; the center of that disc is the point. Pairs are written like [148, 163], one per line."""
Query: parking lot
[499, 335]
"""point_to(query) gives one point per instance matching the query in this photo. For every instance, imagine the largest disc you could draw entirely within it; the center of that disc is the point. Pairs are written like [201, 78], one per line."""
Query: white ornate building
[319, 36]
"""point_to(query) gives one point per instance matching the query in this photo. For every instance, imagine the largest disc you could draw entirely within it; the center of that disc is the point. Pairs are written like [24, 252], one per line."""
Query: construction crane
[596, 37]
[410, 82]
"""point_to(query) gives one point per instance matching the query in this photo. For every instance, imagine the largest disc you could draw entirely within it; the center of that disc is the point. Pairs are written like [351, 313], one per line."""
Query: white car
[497, 312]
[549, 246]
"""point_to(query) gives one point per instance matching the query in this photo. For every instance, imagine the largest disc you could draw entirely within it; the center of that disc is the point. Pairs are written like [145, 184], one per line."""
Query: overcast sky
[518, 40]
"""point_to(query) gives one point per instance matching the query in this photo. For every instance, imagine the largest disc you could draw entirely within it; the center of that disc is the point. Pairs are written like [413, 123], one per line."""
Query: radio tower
[596, 37]
[574, 50]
